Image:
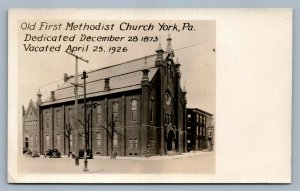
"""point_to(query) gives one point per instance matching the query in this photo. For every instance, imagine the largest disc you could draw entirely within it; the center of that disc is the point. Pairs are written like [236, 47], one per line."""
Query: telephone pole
[76, 105]
[86, 131]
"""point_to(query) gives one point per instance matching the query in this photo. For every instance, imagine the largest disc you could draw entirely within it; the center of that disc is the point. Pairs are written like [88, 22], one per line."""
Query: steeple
[39, 97]
[169, 48]
[159, 56]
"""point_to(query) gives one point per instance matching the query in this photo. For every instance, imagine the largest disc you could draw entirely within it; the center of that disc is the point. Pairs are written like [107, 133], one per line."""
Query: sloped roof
[123, 77]
[31, 105]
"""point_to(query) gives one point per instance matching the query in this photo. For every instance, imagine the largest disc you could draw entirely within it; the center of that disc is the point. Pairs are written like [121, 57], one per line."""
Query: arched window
[99, 112]
[134, 110]
[115, 111]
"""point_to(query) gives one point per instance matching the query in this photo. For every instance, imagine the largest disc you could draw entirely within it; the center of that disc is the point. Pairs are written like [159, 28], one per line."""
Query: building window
[47, 140]
[31, 140]
[134, 110]
[71, 140]
[58, 117]
[151, 110]
[82, 139]
[136, 143]
[189, 116]
[115, 111]
[36, 140]
[200, 131]
[99, 112]
[209, 133]
[98, 139]
[130, 143]
[204, 120]
[71, 119]
[197, 118]
[48, 123]
[115, 140]
[197, 130]
[58, 140]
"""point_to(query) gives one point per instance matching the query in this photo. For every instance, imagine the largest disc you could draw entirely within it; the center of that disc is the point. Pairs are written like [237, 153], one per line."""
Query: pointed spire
[169, 48]
[159, 47]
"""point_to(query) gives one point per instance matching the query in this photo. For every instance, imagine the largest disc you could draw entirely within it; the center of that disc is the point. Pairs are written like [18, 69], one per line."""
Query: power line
[182, 48]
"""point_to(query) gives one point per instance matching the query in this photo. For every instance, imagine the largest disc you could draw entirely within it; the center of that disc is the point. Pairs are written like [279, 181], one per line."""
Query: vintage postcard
[149, 95]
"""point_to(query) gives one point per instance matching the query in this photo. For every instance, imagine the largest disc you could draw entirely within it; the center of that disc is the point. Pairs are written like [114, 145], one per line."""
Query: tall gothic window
[82, 139]
[115, 111]
[99, 112]
[151, 110]
[58, 140]
[134, 110]
[58, 117]
[36, 140]
[31, 140]
[47, 120]
[47, 140]
[71, 140]
[115, 140]
[71, 118]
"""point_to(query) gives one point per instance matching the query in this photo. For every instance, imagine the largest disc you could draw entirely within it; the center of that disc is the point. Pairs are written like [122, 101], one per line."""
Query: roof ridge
[126, 62]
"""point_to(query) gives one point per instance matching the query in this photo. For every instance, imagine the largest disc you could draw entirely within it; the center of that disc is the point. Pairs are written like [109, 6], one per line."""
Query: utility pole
[76, 105]
[86, 132]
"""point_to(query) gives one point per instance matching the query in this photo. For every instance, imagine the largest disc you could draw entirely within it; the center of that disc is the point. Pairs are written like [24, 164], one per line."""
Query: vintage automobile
[89, 153]
[52, 153]
[34, 154]
[31, 153]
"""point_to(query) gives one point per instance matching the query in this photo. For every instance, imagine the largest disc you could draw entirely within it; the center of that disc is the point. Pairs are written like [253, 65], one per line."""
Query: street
[192, 162]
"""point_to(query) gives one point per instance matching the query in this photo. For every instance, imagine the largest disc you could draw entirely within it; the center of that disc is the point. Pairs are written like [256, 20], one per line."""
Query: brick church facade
[140, 103]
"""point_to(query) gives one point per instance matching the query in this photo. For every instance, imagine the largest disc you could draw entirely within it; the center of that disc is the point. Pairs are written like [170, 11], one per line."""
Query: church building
[136, 108]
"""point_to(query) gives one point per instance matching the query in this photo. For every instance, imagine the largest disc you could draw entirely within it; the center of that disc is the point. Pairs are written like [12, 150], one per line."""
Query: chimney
[106, 84]
[52, 98]
[39, 97]
[66, 77]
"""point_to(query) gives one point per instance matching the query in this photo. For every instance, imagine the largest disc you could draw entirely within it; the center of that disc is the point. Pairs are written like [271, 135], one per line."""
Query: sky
[193, 48]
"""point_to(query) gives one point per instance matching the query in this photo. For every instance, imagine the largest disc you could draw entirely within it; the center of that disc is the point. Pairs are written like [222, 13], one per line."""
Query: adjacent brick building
[31, 132]
[200, 129]
[142, 99]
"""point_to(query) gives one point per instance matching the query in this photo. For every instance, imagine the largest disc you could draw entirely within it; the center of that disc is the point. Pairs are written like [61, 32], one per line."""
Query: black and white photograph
[123, 99]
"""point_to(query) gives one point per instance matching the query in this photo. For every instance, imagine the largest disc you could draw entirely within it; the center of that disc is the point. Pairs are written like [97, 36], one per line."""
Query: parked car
[33, 154]
[89, 153]
[53, 153]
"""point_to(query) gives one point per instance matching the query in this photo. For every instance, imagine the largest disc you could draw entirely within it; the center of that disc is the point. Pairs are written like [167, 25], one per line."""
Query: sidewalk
[158, 157]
